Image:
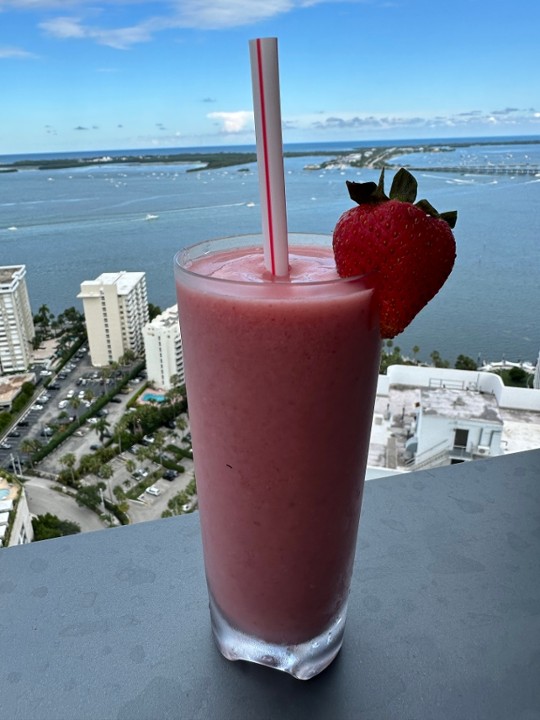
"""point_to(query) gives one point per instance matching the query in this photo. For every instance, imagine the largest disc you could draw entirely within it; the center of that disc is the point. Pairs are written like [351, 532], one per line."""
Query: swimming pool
[4, 494]
[156, 397]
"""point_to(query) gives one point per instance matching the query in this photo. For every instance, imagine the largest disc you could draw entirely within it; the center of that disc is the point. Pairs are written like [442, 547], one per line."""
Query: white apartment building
[427, 417]
[15, 518]
[116, 311]
[455, 425]
[163, 349]
[16, 324]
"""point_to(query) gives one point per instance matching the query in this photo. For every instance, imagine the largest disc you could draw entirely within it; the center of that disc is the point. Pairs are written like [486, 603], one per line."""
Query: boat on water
[150, 216]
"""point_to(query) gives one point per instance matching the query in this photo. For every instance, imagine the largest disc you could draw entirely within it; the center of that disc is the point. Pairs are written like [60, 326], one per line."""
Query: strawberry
[410, 247]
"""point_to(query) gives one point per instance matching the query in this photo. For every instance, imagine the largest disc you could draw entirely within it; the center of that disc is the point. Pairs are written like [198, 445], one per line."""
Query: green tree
[75, 403]
[464, 362]
[69, 460]
[105, 471]
[90, 496]
[437, 360]
[127, 358]
[43, 317]
[29, 447]
[102, 428]
[50, 526]
[153, 311]
[515, 377]
[89, 464]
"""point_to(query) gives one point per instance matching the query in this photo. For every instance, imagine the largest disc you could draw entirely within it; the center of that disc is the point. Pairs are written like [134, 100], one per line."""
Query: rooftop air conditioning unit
[483, 450]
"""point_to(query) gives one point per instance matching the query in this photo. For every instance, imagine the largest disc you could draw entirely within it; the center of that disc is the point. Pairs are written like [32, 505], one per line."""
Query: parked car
[153, 490]
[170, 475]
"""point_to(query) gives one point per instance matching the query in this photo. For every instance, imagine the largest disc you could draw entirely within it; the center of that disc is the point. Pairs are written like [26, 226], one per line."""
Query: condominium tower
[16, 324]
[116, 311]
[163, 350]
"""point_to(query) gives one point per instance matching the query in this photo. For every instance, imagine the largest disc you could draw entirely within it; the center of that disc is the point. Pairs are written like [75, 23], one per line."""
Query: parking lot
[68, 396]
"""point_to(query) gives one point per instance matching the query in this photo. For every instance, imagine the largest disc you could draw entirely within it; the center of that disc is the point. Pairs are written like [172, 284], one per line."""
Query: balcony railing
[444, 615]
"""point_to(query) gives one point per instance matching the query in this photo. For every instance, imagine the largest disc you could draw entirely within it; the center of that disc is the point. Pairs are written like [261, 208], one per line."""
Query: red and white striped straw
[267, 109]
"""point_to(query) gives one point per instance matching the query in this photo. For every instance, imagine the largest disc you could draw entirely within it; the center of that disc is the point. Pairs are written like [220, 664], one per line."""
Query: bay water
[71, 225]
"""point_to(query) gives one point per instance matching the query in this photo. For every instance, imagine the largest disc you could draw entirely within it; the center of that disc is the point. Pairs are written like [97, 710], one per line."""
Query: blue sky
[117, 74]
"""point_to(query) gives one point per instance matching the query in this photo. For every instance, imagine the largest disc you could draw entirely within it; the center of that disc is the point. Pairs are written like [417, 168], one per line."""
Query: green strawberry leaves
[404, 188]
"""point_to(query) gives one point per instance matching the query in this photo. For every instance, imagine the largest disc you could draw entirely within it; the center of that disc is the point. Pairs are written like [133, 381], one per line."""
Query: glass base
[302, 661]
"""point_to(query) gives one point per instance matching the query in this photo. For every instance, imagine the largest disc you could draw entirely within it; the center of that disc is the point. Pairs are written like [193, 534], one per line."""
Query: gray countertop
[444, 617]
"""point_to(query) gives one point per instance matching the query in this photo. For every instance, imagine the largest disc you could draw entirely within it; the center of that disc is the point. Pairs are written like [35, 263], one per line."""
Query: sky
[134, 74]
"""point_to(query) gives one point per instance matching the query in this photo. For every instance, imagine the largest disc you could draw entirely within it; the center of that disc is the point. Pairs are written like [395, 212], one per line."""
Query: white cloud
[15, 52]
[216, 14]
[174, 14]
[233, 122]
[477, 118]
[120, 38]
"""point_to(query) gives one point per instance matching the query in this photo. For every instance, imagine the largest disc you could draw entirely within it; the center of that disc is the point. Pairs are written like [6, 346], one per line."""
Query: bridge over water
[533, 170]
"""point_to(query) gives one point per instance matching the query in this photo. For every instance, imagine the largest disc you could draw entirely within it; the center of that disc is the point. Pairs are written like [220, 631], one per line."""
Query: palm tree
[29, 447]
[43, 316]
[106, 472]
[89, 394]
[75, 403]
[102, 427]
[159, 442]
[69, 461]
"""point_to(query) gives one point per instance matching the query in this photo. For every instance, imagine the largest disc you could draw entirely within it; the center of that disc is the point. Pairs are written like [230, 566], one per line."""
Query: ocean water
[70, 225]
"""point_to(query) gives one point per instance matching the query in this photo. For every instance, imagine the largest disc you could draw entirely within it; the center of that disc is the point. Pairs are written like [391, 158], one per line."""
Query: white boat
[149, 216]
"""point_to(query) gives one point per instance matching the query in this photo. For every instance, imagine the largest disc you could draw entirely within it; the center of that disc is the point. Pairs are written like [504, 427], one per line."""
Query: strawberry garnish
[409, 246]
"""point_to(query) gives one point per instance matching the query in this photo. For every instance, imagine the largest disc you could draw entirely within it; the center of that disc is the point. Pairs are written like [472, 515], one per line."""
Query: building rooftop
[397, 404]
[462, 404]
[10, 386]
[125, 282]
[168, 318]
[9, 273]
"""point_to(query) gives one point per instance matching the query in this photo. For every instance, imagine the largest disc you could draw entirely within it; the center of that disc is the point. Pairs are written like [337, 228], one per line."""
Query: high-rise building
[116, 311]
[163, 349]
[16, 324]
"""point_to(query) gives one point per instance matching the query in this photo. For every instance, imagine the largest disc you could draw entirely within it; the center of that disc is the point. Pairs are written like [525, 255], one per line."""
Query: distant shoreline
[375, 157]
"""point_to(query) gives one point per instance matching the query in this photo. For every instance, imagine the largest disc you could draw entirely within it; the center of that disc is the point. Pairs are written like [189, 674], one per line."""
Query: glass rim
[178, 266]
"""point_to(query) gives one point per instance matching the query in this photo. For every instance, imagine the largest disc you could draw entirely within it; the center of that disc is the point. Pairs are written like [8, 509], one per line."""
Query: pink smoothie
[281, 379]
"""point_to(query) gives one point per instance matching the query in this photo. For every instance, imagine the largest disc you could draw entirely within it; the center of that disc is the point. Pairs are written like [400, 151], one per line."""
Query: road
[43, 497]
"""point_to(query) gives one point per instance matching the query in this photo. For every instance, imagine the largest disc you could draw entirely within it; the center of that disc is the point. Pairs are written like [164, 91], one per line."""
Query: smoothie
[281, 378]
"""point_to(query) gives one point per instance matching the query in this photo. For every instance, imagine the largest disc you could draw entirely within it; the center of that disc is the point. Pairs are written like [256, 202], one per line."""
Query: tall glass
[281, 379]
